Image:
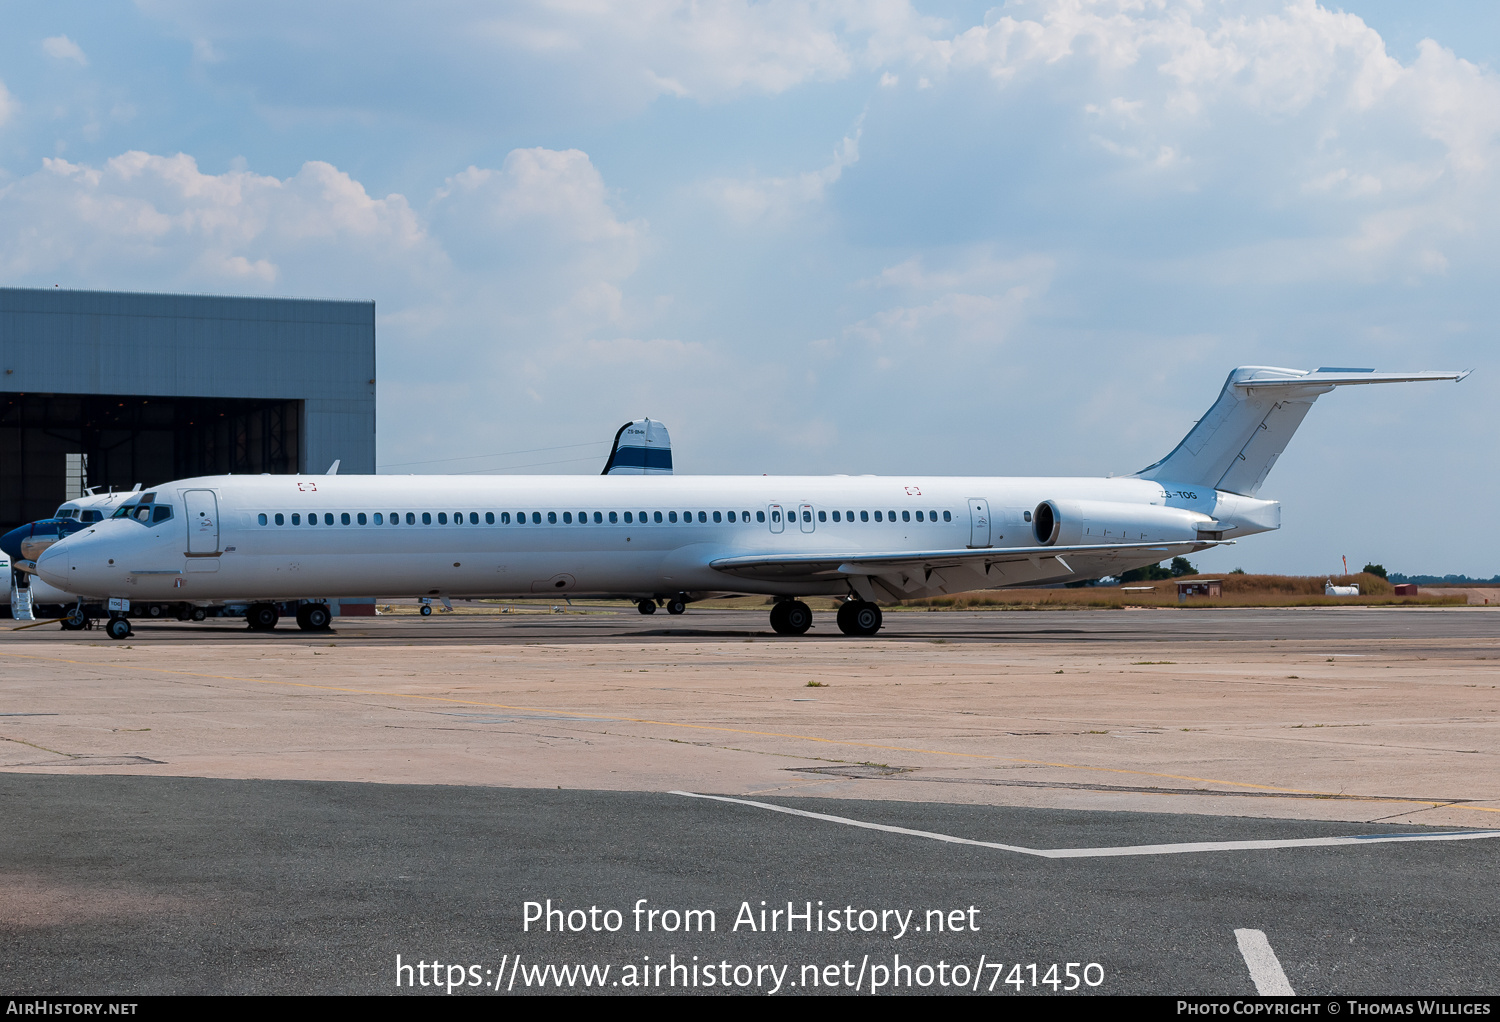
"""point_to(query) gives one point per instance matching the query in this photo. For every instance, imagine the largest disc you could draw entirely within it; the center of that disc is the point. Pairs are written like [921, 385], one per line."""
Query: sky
[885, 237]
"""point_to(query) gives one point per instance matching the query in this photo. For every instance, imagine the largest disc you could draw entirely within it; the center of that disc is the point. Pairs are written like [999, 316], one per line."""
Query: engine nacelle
[1089, 522]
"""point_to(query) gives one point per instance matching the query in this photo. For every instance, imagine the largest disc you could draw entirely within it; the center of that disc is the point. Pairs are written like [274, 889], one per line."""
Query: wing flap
[1002, 565]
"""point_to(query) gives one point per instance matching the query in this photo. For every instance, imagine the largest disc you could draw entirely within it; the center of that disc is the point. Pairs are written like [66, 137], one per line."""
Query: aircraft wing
[907, 572]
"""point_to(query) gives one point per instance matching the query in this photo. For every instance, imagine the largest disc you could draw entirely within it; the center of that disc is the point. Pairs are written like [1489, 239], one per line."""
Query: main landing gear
[791, 617]
[313, 617]
[646, 606]
[262, 617]
[859, 617]
[677, 605]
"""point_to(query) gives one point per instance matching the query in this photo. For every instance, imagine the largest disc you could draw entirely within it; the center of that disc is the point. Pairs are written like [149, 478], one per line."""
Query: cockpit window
[126, 511]
[92, 516]
[161, 513]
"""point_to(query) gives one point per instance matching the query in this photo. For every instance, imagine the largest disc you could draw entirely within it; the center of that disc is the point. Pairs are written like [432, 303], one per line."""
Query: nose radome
[55, 564]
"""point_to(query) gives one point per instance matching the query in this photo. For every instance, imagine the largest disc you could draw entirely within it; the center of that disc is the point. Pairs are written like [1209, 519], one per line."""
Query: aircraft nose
[11, 541]
[55, 565]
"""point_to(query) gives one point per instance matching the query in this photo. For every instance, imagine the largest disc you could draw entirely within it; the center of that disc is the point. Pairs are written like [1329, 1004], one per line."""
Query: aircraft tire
[791, 617]
[677, 605]
[262, 617]
[867, 618]
[313, 617]
[118, 628]
[646, 606]
[73, 623]
[154, 610]
[199, 614]
[426, 610]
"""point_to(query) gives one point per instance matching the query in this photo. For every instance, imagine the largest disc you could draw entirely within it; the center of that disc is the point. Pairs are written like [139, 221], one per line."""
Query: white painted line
[1264, 967]
[1100, 853]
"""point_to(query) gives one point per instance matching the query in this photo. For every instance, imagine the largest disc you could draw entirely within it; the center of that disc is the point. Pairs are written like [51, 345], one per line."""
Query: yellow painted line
[583, 716]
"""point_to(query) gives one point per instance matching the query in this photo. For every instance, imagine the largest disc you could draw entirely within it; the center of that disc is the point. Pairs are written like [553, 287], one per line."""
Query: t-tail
[1233, 447]
[642, 448]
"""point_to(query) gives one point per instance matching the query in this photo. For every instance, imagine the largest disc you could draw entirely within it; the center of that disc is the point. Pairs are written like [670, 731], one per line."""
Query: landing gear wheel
[74, 622]
[677, 605]
[118, 628]
[154, 610]
[199, 614]
[262, 617]
[426, 610]
[791, 617]
[646, 606]
[858, 617]
[313, 617]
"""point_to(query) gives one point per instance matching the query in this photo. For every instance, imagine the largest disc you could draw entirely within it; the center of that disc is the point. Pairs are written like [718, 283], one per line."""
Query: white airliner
[681, 538]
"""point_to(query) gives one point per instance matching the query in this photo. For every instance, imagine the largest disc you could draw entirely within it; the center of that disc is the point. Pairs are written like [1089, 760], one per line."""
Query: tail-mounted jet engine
[1085, 522]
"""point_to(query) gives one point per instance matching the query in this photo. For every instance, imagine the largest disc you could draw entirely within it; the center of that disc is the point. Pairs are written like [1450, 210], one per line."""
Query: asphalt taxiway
[204, 809]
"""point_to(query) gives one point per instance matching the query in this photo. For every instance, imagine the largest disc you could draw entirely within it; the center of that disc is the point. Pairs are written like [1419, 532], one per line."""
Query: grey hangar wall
[153, 387]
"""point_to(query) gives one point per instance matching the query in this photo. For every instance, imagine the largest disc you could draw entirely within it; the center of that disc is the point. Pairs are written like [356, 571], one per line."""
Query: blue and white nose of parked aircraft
[664, 538]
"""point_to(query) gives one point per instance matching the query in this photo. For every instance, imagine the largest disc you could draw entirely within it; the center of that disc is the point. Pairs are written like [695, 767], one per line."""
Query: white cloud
[777, 199]
[8, 104]
[158, 221]
[60, 47]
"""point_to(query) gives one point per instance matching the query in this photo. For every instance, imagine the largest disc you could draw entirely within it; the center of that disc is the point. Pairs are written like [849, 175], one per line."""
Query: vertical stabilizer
[1234, 445]
[642, 448]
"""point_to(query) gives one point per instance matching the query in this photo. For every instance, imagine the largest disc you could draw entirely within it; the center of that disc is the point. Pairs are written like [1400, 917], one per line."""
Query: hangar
[108, 389]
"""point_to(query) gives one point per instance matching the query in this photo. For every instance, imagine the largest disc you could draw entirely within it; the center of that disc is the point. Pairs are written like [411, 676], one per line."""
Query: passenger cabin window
[671, 516]
[262, 519]
[536, 518]
[717, 518]
[551, 517]
[877, 516]
[442, 517]
[379, 518]
[312, 519]
[489, 518]
[328, 518]
[656, 517]
[703, 517]
[822, 515]
[296, 519]
[426, 517]
[919, 516]
[613, 518]
[905, 516]
[775, 516]
[864, 516]
[760, 516]
[344, 518]
[504, 518]
[892, 515]
[281, 519]
[947, 516]
[567, 517]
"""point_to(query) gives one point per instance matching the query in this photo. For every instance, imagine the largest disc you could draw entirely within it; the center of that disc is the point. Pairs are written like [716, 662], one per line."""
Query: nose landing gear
[791, 617]
[118, 628]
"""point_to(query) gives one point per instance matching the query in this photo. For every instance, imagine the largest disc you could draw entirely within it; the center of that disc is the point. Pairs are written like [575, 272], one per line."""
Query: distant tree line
[1432, 580]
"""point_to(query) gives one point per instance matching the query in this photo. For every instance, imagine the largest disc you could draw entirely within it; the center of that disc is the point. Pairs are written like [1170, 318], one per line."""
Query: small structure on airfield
[1210, 587]
[1329, 589]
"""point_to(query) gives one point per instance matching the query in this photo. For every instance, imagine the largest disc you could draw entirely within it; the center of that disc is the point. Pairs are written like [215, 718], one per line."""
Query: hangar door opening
[49, 442]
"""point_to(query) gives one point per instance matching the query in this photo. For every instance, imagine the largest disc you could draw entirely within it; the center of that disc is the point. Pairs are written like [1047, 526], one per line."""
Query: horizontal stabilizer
[642, 448]
[1234, 445]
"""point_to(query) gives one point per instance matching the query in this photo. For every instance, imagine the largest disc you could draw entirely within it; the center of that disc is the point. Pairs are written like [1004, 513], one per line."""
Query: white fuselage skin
[123, 557]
